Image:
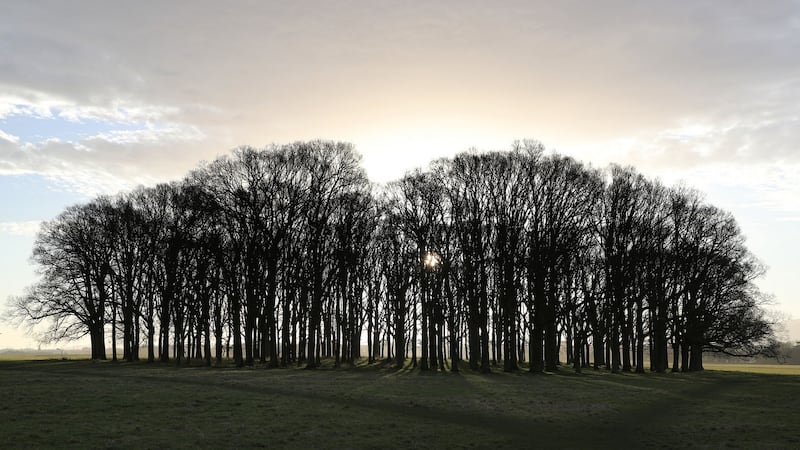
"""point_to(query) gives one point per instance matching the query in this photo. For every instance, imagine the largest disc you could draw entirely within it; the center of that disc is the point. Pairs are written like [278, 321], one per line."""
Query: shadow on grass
[594, 409]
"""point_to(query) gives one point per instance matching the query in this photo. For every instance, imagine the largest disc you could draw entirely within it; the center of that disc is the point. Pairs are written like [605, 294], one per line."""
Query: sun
[432, 260]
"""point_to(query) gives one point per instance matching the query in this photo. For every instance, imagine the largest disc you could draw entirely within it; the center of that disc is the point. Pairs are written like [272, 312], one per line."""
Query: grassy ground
[81, 404]
[772, 369]
[15, 356]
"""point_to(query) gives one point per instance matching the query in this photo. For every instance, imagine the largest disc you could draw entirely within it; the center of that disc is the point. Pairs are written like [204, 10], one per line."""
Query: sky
[98, 97]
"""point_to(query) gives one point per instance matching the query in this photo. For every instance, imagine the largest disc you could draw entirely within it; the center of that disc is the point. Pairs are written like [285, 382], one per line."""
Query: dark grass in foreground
[81, 404]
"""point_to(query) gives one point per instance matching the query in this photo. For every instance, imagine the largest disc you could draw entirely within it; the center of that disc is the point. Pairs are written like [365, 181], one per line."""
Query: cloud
[10, 138]
[150, 135]
[27, 228]
[675, 84]
[591, 64]
[699, 91]
[109, 161]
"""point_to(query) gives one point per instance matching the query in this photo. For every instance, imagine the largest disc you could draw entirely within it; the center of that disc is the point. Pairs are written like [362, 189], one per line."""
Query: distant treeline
[288, 254]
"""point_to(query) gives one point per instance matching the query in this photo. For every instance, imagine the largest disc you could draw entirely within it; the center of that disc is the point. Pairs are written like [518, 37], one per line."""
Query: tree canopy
[288, 254]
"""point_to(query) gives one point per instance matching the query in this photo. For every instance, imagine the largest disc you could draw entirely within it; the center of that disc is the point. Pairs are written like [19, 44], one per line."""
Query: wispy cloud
[9, 137]
[109, 162]
[96, 149]
[27, 228]
[149, 135]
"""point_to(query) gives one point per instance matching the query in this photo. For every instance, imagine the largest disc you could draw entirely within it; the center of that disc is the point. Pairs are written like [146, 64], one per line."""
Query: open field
[40, 356]
[772, 369]
[81, 404]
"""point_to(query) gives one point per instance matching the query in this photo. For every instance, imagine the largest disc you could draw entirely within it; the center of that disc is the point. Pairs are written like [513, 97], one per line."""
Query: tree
[331, 170]
[74, 256]
[292, 254]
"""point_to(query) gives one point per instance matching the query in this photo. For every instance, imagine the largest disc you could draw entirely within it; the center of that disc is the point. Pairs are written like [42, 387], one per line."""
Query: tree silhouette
[289, 255]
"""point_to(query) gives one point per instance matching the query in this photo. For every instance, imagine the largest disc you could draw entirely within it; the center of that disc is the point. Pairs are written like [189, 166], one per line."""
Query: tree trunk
[639, 337]
[400, 328]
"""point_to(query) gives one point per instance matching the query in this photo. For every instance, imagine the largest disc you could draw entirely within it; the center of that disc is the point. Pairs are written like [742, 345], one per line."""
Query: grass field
[770, 369]
[81, 404]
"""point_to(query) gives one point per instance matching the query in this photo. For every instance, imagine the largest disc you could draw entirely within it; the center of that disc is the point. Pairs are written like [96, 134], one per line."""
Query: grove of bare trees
[508, 260]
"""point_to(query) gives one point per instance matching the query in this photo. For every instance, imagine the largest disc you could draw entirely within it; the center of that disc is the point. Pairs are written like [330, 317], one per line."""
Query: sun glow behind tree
[432, 261]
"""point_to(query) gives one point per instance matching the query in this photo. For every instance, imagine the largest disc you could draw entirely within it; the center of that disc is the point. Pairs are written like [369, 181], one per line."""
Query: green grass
[83, 404]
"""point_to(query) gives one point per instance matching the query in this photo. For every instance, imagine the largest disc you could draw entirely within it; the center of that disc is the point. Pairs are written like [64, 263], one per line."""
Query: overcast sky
[101, 96]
